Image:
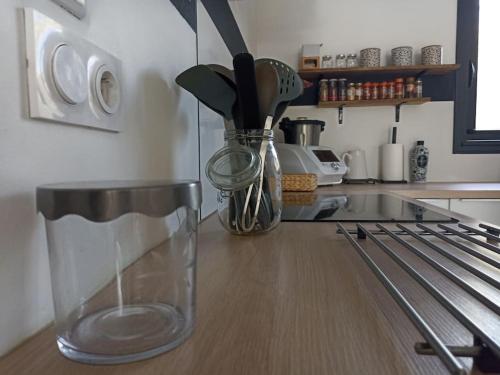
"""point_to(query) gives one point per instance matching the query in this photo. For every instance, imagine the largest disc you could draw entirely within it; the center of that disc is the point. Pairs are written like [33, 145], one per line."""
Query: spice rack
[362, 74]
[404, 71]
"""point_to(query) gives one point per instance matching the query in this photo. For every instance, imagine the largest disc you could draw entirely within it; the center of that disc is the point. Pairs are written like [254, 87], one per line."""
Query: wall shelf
[374, 103]
[410, 70]
[397, 103]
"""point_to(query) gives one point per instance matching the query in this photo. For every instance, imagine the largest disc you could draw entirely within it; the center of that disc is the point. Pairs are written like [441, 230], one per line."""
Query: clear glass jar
[122, 264]
[341, 61]
[256, 208]
[327, 62]
[352, 60]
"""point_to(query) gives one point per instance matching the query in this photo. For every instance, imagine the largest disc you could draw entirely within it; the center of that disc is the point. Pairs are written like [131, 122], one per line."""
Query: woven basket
[299, 182]
[299, 198]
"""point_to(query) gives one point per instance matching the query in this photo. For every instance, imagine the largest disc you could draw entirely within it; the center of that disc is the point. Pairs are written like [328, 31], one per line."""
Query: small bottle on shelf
[367, 92]
[323, 90]
[390, 90]
[359, 91]
[399, 88]
[342, 90]
[382, 90]
[410, 88]
[332, 90]
[351, 92]
[419, 89]
[374, 91]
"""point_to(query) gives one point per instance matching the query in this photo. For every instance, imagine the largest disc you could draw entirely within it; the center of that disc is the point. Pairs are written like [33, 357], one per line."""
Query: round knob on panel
[70, 74]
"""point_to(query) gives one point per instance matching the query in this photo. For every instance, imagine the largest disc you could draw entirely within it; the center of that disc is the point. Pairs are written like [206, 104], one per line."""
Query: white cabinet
[487, 210]
[441, 203]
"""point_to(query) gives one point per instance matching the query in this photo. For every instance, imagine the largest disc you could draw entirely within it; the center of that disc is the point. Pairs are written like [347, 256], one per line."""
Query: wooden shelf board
[374, 103]
[404, 70]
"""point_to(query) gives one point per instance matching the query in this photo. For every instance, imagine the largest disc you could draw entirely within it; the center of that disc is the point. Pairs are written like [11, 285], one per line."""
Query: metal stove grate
[486, 350]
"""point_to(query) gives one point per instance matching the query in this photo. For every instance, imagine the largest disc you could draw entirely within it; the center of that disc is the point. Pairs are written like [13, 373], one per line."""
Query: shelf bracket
[398, 110]
[420, 74]
[341, 115]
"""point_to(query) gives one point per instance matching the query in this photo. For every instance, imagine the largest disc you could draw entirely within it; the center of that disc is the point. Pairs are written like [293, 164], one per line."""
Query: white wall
[160, 138]
[346, 26]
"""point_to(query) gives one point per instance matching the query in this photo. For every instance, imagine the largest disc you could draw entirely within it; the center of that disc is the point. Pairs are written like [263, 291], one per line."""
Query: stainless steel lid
[101, 201]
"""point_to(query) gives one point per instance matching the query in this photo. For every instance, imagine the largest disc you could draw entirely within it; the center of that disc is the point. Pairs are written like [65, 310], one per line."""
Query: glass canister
[352, 60]
[122, 261]
[341, 61]
[249, 182]
[327, 62]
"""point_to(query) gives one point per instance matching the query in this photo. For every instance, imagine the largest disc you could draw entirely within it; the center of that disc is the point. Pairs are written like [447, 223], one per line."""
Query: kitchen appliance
[123, 264]
[356, 163]
[303, 132]
[320, 160]
[302, 154]
[361, 208]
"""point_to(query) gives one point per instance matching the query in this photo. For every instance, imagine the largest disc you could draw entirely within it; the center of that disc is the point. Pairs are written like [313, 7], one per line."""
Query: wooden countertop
[295, 301]
[470, 190]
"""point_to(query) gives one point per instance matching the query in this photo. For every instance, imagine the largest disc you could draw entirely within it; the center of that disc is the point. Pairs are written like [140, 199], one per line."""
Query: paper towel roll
[392, 162]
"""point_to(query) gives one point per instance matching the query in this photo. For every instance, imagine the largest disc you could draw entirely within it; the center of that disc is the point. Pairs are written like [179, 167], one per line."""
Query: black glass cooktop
[359, 208]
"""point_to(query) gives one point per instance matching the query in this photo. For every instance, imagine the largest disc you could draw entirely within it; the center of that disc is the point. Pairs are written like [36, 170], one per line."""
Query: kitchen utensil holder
[245, 210]
[485, 350]
[122, 262]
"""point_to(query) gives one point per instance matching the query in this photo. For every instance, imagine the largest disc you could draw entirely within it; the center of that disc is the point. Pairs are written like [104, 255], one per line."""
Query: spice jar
[341, 61]
[352, 60]
[323, 90]
[327, 61]
[342, 91]
[351, 92]
[419, 89]
[390, 90]
[410, 91]
[367, 94]
[332, 90]
[382, 90]
[374, 91]
[399, 88]
[358, 94]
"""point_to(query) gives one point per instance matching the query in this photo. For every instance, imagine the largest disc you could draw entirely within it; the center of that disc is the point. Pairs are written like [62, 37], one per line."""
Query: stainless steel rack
[486, 350]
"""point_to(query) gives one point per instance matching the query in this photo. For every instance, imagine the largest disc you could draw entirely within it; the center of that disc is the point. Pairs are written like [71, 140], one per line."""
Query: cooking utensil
[291, 85]
[209, 88]
[228, 75]
[394, 134]
[268, 90]
[246, 85]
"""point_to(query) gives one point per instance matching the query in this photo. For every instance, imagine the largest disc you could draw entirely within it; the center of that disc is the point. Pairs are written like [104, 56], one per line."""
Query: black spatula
[209, 88]
[244, 73]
